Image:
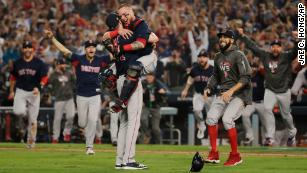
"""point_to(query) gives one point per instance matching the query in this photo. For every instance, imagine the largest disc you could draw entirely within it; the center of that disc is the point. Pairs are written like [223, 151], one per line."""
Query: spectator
[174, 70]
[153, 97]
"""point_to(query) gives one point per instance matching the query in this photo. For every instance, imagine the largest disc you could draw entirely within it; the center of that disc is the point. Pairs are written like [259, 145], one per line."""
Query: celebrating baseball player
[87, 69]
[199, 76]
[62, 80]
[135, 56]
[256, 106]
[277, 66]
[29, 76]
[233, 73]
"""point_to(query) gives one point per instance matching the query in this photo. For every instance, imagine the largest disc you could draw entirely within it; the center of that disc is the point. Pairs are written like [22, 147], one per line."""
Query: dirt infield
[243, 153]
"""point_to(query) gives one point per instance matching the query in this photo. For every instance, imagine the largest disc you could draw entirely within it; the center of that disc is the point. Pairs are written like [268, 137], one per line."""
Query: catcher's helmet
[112, 20]
[197, 163]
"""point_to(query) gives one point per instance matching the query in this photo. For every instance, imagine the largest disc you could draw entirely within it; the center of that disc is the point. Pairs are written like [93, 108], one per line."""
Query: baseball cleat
[233, 159]
[119, 166]
[30, 144]
[90, 151]
[134, 166]
[247, 142]
[54, 141]
[291, 142]
[268, 142]
[201, 130]
[213, 157]
[67, 138]
[114, 143]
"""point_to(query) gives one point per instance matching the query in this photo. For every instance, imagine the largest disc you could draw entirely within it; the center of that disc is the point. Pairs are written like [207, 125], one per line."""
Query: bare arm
[57, 44]
[153, 38]
[188, 85]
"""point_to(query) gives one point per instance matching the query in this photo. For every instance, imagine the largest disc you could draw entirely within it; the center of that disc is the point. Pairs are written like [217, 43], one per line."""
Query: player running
[199, 76]
[233, 73]
[87, 68]
[29, 76]
[277, 66]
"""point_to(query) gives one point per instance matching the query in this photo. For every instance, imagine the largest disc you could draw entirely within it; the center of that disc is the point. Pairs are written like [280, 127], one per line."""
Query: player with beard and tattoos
[199, 75]
[29, 76]
[232, 73]
[277, 66]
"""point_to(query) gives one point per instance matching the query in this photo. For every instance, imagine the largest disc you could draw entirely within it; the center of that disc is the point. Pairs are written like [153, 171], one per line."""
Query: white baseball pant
[61, 107]
[246, 114]
[27, 104]
[228, 111]
[283, 100]
[88, 113]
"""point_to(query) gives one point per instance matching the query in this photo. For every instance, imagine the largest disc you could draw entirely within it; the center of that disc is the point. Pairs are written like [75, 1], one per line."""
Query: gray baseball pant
[198, 105]
[228, 111]
[114, 117]
[300, 80]
[283, 100]
[246, 114]
[99, 128]
[131, 117]
[129, 124]
[88, 113]
[27, 104]
[61, 107]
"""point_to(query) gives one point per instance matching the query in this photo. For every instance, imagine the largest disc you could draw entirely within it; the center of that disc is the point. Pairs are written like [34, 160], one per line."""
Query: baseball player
[300, 81]
[256, 106]
[233, 73]
[62, 80]
[29, 76]
[199, 76]
[135, 56]
[277, 66]
[87, 69]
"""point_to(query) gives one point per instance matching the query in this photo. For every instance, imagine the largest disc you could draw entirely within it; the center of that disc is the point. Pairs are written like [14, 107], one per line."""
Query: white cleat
[90, 151]
[201, 130]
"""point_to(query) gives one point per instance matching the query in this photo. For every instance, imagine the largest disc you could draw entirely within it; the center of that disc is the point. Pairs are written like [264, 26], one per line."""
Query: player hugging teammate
[131, 42]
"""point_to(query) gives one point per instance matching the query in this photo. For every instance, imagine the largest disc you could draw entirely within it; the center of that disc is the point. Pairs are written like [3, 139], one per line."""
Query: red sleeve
[142, 40]
[261, 71]
[12, 78]
[103, 64]
[128, 47]
[44, 80]
[113, 33]
[75, 63]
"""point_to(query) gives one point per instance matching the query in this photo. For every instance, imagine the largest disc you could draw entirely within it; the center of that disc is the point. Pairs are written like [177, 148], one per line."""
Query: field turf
[71, 158]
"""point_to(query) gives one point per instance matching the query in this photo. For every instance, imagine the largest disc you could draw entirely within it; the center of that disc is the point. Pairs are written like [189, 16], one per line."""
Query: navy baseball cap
[112, 20]
[27, 44]
[89, 43]
[203, 52]
[227, 32]
[276, 42]
[60, 61]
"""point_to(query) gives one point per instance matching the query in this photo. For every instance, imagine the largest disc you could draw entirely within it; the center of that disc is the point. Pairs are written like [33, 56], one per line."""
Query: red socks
[212, 130]
[232, 134]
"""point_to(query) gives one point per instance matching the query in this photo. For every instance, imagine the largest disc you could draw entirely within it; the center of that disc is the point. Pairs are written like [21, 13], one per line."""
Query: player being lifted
[29, 76]
[233, 73]
[135, 56]
[87, 68]
[199, 75]
[277, 66]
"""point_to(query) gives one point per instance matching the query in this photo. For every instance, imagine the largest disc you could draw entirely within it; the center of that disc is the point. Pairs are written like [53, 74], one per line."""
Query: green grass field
[71, 158]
